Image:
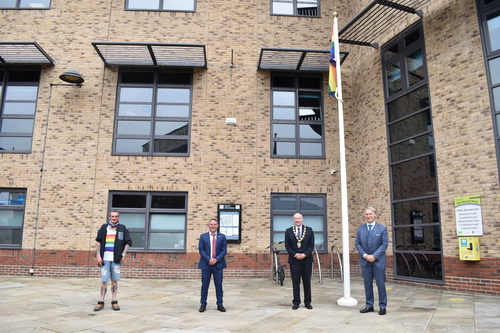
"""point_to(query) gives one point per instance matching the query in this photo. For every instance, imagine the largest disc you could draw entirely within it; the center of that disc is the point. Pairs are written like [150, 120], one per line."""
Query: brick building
[186, 107]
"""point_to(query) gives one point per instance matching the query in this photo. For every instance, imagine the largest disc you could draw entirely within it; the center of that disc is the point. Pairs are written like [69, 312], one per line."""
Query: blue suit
[374, 244]
[207, 270]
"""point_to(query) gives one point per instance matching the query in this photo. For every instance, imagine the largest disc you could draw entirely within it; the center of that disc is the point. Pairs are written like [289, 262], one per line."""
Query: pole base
[347, 301]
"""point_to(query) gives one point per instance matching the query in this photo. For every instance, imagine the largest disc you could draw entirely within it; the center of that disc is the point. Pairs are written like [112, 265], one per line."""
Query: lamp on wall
[72, 76]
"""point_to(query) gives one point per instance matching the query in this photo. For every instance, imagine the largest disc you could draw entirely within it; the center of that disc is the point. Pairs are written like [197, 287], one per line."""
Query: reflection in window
[25, 4]
[493, 21]
[295, 7]
[163, 5]
[12, 203]
[393, 76]
[415, 67]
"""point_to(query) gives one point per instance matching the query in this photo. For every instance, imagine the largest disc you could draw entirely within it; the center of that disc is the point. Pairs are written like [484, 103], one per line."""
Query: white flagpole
[347, 300]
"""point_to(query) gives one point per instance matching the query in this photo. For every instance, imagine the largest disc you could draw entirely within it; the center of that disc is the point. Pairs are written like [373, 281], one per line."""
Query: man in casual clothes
[113, 241]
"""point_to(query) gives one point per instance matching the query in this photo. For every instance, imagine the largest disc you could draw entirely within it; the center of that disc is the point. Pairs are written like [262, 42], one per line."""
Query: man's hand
[99, 260]
[300, 256]
[370, 258]
[212, 261]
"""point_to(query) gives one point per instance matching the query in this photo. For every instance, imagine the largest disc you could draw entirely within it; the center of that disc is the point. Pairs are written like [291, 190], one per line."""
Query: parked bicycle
[420, 261]
[277, 269]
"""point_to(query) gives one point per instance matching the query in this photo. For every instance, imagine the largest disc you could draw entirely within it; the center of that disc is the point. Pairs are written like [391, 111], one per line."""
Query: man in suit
[212, 248]
[371, 242]
[299, 243]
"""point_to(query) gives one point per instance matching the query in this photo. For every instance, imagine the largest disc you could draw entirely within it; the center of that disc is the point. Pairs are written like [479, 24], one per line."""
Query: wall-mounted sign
[230, 222]
[469, 216]
[418, 230]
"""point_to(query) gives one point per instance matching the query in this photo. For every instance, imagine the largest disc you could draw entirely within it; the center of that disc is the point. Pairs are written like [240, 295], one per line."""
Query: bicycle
[277, 269]
[430, 266]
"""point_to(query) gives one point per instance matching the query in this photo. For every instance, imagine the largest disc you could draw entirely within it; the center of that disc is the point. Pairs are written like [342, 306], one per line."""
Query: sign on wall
[468, 215]
[230, 222]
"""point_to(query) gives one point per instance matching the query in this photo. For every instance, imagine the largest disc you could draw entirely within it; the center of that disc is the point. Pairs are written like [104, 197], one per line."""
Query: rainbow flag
[332, 77]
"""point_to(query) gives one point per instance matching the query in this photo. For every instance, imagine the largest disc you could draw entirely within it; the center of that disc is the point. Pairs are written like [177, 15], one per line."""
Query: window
[414, 194]
[156, 221]
[295, 7]
[11, 217]
[311, 206]
[18, 95]
[163, 5]
[297, 128]
[153, 113]
[25, 4]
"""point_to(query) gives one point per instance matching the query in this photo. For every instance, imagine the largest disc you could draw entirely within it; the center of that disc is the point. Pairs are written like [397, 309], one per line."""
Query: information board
[230, 222]
[468, 216]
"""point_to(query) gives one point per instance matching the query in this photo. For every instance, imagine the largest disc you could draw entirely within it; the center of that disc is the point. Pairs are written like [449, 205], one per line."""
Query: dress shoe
[295, 307]
[382, 312]
[221, 308]
[203, 308]
[366, 310]
[309, 306]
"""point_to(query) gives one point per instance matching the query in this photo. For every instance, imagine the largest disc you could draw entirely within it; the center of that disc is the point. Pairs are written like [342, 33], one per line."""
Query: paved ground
[34, 304]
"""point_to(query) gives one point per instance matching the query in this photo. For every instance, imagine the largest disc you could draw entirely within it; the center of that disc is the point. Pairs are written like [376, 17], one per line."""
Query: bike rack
[340, 262]
[319, 265]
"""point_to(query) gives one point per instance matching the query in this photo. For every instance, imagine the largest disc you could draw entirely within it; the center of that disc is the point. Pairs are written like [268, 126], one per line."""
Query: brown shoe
[114, 305]
[99, 307]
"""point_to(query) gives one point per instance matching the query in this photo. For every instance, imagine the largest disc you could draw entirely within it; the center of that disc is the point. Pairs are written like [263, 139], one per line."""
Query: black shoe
[203, 308]
[99, 307]
[366, 310]
[295, 307]
[221, 308]
[114, 305]
[382, 312]
[309, 306]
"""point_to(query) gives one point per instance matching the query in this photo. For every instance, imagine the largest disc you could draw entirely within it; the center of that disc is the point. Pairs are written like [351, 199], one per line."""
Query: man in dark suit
[371, 242]
[299, 243]
[212, 248]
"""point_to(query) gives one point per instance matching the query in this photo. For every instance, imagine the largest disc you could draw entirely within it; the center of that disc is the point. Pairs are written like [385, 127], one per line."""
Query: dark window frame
[148, 211]
[295, 9]
[160, 5]
[18, 4]
[14, 208]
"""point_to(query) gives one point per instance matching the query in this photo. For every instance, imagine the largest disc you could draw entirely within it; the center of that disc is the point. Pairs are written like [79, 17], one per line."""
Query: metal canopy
[376, 19]
[23, 53]
[296, 59]
[151, 54]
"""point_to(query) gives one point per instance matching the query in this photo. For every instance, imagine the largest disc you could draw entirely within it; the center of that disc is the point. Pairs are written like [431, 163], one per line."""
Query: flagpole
[347, 300]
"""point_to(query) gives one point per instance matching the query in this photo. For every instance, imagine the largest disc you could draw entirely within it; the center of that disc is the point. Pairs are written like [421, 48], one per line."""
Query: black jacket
[122, 238]
[307, 246]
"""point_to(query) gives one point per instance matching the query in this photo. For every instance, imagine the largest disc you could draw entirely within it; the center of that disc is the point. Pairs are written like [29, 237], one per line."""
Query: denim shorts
[110, 268]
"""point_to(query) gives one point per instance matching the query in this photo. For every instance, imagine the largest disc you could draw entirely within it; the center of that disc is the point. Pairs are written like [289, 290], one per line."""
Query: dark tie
[369, 229]
[213, 247]
[298, 233]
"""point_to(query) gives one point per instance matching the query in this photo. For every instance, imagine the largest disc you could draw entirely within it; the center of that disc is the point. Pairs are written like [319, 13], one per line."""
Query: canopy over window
[23, 52]
[296, 59]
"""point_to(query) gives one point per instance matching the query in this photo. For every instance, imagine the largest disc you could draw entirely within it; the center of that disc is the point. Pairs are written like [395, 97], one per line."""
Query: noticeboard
[230, 221]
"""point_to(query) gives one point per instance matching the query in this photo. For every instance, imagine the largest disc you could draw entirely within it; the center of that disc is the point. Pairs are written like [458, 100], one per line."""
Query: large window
[311, 206]
[12, 203]
[153, 113]
[163, 5]
[296, 7]
[414, 195]
[156, 220]
[25, 4]
[18, 96]
[297, 124]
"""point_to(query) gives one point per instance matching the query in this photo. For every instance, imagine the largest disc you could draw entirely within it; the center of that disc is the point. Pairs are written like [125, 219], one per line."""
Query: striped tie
[213, 247]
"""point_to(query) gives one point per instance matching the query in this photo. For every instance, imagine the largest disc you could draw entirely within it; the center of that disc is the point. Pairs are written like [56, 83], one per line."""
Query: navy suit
[302, 267]
[207, 270]
[374, 244]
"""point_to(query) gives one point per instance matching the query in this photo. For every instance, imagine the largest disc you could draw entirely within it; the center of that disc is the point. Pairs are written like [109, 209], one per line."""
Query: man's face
[370, 216]
[212, 226]
[297, 219]
[114, 217]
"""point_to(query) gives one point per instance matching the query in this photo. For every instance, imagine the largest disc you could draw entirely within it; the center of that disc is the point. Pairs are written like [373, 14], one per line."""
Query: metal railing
[340, 262]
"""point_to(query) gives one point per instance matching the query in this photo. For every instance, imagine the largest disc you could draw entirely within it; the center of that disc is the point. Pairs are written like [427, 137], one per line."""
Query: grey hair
[370, 208]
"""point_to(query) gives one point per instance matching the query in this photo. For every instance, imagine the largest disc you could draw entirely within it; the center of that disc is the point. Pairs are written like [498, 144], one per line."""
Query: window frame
[295, 9]
[18, 4]
[148, 211]
[160, 5]
[14, 208]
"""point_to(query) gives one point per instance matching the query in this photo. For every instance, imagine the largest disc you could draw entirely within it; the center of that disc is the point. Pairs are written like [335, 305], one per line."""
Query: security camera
[333, 172]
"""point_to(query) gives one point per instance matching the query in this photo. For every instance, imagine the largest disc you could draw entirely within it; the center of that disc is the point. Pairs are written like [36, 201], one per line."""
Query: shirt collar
[372, 224]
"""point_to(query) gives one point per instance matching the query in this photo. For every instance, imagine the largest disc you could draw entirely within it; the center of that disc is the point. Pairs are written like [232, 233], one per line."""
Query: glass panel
[419, 265]
[412, 102]
[168, 221]
[283, 81]
[172, 111]
[7, 3]
[413, 147]
[171, 128]
[415, 66]
[178, 5]
[319, 241]
[24, 76]
[411, 126]
[309, 106]
[403, 211]
[170, 146]
[166, 241]
[393, 74]
[132, 145]
[10, 236]
[168, 201]
[495, 70]
[284, 148]
[312, 204]
[391, 51]
[129, 201]
[282, 8]
[310, 82]
[143, 4]
[19, 108]
[21, 93]
[134, 127]
[413, 178]
[283, 131]
[311, 131]
[138, 77]
[15, 143]
[11, 218]
[307, 7]
[34, 4]
[278, 237]
[493, 22]
[412, 37]
[281, 223]
[12, 198]
[284, 113]
[17, 126]
[138, 239]
[133, 220]
[311, 149]
[177, 78]
[498, 124]
[285, 203]
[138, 95]
[170, 95]
[411, 238]
[134, 110]
[315, 222]
[284, 98]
